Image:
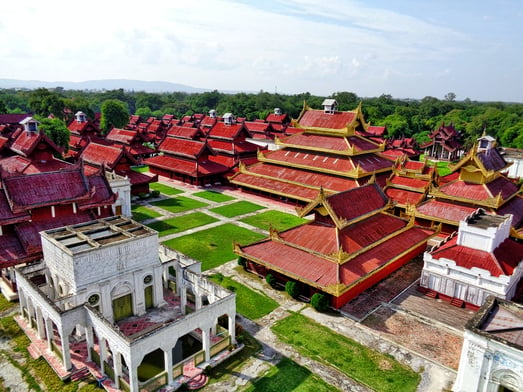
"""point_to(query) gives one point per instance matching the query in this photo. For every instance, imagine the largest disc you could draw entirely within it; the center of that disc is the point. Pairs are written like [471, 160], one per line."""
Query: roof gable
[346, 207]
[25, 142]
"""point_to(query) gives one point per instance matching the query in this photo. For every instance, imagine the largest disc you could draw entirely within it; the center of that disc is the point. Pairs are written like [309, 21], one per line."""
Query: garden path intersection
[435, 376]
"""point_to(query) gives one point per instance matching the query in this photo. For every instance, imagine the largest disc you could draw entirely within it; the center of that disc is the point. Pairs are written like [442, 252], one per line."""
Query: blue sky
[406, 48]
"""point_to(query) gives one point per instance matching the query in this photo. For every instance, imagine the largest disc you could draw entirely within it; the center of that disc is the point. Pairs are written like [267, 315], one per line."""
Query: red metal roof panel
[319, 119]
[445, 211]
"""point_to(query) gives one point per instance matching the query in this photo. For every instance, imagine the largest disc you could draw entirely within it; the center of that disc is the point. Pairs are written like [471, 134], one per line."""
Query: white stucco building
[492, 354]
[107, 297]
[477, 261]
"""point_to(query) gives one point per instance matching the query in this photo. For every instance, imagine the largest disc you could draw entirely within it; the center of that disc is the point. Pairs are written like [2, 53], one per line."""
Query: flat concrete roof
[97, 233]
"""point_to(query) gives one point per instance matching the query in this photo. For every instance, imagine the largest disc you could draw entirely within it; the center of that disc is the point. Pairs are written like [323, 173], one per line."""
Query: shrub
[270, 279]
[292, 288]
[242, 262]
[143, 195]
[319, 302]
[155, 193]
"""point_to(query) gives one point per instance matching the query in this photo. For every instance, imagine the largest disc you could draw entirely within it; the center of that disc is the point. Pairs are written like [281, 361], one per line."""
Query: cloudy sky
[406, 48]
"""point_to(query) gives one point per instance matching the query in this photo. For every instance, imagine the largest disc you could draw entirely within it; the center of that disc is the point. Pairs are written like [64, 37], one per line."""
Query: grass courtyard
[141, 213]
[181, 223]
[380, 372]
[178, 204]
[165, 189]
[249, 303]
[277, 220]
[237, 208]
[213, 246]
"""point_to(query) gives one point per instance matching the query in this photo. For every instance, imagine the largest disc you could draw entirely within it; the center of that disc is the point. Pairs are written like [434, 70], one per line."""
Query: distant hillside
[108, 84]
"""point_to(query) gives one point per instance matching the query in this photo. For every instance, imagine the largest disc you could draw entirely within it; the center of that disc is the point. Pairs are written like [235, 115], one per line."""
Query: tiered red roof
[349, 246]
[24, 143]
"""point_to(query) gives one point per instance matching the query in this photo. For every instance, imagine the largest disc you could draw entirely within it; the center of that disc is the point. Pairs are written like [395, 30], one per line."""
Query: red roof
[515, 207]
[3, 142]
[99, 155]
[376, 130]
[305, 177]
[7, 217]
[184, 132]
[404, 197]
[184, 147]
[277, 118]
[239, 147]
[101, 193]
[358, 201]
[224, 131]
[440, 210]
[258, 127]
[322, 238]
[479, 192]
[319, 119]
[502, 261]
[380, 255]
[11, 251]
[18, 164]
[124, 136]
[25, 142]
[332, 143]
[409, 182]
[44, 189]
[188, 167]
[13, 118]
[324, 161]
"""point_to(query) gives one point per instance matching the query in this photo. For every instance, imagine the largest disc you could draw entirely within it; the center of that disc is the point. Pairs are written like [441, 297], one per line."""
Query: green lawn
[166, 190]
[178, 204]
[213, 247]
[443, 168]
[235, 209]
[380, 372]
[213, 196]
[249, 303]
[140, 169]
[288, 376]
[181, 223]
[141, 213]
[278, 220]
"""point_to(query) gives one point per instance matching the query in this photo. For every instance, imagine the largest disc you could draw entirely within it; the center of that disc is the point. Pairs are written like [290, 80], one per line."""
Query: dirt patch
[428, 340]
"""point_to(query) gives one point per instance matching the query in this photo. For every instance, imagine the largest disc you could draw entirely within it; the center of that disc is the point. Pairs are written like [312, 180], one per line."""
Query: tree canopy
[114, 114]
[56, 130]
[403, 117]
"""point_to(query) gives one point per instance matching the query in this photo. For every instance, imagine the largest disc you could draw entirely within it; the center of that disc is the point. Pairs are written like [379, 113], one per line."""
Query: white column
[103, 353]
[66, 351]
[232, 327]
[183, 299]
[117, 367]
[89, 338]
[168, 363]
[40, 327]
[49, 332]
[206, 340]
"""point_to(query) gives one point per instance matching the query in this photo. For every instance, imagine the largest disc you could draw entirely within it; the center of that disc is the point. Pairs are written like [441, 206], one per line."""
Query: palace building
[477, 261]
[326, 153]
[352, 244]
[476, 181]
[492, 352]
[107, 300]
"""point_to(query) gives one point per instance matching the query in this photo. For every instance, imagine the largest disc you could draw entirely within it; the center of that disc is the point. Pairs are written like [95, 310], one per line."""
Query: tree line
[403, 117]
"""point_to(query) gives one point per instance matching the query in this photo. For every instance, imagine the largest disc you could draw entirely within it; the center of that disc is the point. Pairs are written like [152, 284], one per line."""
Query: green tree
[56, 130]
[269, 278]
[319, 302]
[3, 107]
[292, 288]
[114, 114]
[44, 102]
